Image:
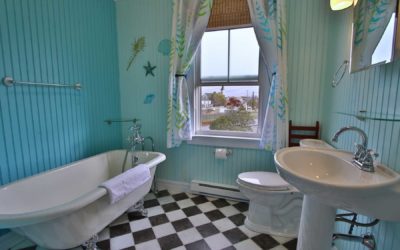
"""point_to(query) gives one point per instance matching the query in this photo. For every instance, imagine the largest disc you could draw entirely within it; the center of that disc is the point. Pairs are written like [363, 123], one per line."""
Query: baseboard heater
[217, 190]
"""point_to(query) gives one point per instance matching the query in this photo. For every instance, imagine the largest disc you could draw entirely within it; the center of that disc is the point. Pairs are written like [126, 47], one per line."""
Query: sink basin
[314, 143]
[329, 176]
[329, 181]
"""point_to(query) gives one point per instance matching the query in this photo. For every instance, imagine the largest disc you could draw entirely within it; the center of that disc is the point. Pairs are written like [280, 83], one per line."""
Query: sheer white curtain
[269, 20]
[189, 21]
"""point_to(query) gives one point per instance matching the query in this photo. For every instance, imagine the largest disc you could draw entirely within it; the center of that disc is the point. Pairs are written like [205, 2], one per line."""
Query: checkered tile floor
[186, 221]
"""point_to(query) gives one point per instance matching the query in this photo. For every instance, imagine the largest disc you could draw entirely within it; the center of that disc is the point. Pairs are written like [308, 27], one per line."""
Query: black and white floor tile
[187, 221]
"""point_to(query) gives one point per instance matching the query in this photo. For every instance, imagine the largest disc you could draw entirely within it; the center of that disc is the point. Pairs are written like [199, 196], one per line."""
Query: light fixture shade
[340, 4]
[355, 2]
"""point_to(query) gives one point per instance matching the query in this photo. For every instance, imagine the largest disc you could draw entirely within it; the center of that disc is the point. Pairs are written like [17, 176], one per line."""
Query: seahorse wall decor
[137, 47]
[149, 99]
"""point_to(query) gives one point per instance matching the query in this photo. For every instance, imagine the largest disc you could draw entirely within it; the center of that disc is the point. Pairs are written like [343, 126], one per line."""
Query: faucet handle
[368, 160]
[130, 140]
[136, 126]
[372, 153]
[360, 151]
[358, 145]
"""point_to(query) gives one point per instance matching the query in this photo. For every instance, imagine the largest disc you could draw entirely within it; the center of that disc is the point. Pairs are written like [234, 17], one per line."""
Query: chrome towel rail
[10, 82]
[110, 121]
[339, 74]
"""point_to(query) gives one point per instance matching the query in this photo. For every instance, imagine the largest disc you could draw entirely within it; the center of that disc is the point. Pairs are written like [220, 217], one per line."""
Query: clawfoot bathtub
[64, 207]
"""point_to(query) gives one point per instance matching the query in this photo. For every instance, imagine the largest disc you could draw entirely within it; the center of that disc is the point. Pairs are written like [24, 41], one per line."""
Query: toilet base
[265, 229]
[281, 219]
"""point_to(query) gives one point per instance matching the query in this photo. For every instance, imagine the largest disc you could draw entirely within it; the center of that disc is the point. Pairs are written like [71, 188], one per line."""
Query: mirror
[375, 34]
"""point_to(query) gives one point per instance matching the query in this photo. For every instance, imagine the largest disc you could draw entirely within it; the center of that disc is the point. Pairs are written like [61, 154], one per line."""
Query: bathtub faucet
[151, 140]
[135, 138]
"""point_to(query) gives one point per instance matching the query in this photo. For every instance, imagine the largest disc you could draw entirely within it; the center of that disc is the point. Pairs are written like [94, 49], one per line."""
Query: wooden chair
[296, 133]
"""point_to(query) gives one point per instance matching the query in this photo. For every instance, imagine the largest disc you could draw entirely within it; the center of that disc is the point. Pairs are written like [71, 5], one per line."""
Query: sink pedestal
[316, 225]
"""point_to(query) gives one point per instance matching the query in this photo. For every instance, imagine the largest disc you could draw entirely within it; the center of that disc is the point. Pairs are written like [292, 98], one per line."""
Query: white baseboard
[179, 186]
[173, 186]
[217, 190]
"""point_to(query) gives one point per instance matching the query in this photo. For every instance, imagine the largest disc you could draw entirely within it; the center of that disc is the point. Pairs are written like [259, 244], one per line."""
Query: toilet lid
[264, 180]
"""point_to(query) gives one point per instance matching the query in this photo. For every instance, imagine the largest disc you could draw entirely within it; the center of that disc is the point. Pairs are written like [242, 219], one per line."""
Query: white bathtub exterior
[64, 207]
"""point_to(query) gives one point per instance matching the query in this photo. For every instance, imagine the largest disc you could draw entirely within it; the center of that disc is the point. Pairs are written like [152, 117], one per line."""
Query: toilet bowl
[274, 205]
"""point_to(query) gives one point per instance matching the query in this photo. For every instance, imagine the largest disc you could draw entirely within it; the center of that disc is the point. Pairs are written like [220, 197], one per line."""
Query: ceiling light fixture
[342, 4]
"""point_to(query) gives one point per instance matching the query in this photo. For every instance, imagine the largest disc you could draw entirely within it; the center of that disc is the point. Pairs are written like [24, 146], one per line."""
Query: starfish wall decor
[149, 69]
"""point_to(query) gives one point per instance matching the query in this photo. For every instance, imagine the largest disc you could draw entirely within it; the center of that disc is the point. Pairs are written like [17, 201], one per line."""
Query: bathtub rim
[24, 219]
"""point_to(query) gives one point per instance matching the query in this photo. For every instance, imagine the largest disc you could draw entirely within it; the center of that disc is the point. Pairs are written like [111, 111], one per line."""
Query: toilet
[274, 205]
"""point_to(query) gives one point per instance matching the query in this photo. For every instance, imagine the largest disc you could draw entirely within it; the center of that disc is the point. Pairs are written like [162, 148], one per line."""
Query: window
[227, 89]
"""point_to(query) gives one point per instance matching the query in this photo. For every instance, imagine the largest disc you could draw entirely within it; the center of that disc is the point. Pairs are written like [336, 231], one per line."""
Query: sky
[244, 53]
[243, 59]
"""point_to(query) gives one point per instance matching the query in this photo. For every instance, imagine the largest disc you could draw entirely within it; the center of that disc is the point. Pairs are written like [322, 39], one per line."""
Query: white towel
[125, 183]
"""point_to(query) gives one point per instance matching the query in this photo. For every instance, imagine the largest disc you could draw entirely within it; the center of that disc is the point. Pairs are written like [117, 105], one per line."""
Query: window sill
[225, 141]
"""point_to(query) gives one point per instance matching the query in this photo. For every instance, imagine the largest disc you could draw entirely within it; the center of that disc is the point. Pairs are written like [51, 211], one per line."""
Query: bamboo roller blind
[227, 13]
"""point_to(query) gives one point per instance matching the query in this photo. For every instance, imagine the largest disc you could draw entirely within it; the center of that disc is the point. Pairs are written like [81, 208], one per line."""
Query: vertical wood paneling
[152, 19]
[376, 90]
[56, 41]
[307, 43]
[318, 44]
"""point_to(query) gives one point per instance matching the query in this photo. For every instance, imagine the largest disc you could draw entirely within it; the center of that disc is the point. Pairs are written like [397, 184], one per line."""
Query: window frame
[228, 136]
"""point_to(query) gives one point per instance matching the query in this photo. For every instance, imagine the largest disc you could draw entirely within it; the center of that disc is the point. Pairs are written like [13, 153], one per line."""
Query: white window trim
[225, 138]
[225, 141]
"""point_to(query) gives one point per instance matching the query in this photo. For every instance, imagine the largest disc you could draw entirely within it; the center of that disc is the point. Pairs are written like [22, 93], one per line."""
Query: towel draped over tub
[125, 183]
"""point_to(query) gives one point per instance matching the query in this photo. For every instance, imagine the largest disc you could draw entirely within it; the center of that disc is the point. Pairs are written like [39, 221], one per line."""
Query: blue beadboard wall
[152, 19]
[308, 22]
[375, 90]
[56, 41]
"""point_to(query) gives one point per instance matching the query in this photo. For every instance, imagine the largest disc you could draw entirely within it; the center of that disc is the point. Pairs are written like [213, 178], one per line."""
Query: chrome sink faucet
[363, 158]
[363, 135]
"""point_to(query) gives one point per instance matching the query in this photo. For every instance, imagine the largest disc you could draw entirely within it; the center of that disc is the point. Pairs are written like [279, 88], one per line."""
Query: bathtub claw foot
[90, 244]
[143, 212]
[139, 207]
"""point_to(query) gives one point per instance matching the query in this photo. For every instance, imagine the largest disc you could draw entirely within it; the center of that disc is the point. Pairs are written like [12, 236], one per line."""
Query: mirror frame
[397, 36]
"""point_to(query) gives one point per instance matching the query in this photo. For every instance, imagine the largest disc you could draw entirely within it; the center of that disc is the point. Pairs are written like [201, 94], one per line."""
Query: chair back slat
[296, 133]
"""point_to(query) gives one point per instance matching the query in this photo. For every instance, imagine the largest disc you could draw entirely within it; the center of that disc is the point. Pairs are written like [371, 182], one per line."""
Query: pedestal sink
[314, 143]
[329, 180]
